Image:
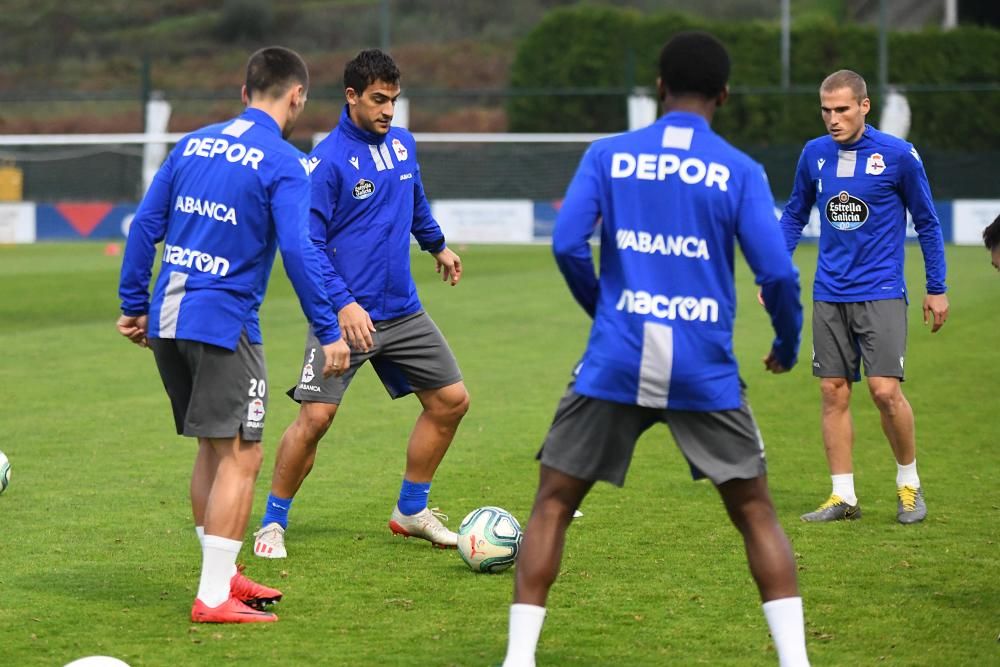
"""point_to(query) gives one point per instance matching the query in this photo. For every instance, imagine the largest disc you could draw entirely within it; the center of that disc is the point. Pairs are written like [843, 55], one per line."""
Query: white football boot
[425, 524]
[269, 542]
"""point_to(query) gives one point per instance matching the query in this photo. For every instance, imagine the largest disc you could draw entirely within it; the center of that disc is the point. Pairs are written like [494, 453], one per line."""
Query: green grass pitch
[98, 554]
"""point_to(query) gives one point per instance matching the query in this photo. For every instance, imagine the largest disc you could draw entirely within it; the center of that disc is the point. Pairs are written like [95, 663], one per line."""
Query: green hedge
[608, 51]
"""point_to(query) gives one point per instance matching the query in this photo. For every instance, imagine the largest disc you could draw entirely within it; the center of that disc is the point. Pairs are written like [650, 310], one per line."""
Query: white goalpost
[483, 187]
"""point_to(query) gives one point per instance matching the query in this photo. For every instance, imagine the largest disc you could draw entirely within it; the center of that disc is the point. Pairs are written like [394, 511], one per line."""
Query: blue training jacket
[225, 198]
[672, 198]
[864, 190]
[367, 198]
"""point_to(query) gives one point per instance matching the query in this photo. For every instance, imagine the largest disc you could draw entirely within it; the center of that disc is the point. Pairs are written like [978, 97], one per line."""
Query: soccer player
[672, 198]
[225, 197]
[991, 239]
[367, 199]
[864, 181]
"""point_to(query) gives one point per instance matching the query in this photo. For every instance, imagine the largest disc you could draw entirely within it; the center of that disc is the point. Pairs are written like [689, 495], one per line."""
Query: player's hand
[760, 297]
[449, 265]
[134, 328]
[357, 327]
[772, 364]
[938, 305]
[336, 358]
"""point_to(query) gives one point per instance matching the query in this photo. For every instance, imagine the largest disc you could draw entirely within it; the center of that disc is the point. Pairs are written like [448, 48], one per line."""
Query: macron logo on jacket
[200, 261]
[666, 307]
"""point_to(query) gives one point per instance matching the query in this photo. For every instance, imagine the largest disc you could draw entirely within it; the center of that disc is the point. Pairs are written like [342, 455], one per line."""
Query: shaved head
[845, 78]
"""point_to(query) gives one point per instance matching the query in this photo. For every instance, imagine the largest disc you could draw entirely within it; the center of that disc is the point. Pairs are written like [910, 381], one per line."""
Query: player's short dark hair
[991, 235]
[367, 67]
[694, 62]
[273, 70]
[845, 78]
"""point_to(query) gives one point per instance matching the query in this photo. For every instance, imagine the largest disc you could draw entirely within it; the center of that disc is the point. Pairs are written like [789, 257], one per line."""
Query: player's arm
[289, 198]
[149, 226]
[324, 191]
[423, 226]
[916, 193]
[763, 245]
[578, 216]
[796, 213]
[429, 235]
[355, 323]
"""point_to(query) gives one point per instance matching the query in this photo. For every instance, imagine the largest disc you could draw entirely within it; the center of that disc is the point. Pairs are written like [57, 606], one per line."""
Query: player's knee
[461, 405]
[451, 403]
[554, 508]
[256, 458]
[759, 513]
[555, 504]
[748, 504]
[315, 419]
[836, 392]
[886, 395]
[250, 456]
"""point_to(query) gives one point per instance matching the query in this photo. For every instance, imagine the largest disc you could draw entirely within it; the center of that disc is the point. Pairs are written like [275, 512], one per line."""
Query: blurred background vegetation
[88, 66]
[84, 65]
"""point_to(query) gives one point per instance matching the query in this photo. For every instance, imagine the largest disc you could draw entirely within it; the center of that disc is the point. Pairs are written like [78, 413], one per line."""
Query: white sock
[843, 486]
[907, 475]
[525, 626]
[788, 629]
[200, 530]
[217, 565]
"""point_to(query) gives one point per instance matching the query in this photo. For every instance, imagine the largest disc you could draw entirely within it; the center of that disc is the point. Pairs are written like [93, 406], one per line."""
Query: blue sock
[277, 510]
[413, 496]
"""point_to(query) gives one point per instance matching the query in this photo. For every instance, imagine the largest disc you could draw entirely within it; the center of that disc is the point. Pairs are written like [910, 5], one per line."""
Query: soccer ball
[488, 539]
[4, 472]
[97, 661]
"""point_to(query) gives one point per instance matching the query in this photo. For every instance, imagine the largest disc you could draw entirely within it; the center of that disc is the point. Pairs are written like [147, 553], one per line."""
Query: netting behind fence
[498, 166]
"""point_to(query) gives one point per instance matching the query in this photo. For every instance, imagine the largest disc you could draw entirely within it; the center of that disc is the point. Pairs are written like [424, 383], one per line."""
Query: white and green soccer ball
[97, 661]
[4, 472]
[488, 539]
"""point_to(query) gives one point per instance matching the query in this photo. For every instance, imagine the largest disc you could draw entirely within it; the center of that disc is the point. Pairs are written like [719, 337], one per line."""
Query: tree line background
[88, 66]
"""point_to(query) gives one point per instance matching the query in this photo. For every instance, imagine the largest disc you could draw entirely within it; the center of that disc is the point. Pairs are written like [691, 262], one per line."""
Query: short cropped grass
[98, 554]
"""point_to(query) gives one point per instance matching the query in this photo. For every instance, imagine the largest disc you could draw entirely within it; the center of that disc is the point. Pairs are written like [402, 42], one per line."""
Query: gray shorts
[844, 334]
[214, 392]
[593, 439]
[409, 354]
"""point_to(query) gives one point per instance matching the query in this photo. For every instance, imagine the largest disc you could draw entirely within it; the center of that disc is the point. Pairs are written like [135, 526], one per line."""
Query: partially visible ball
[97, 661]
[488, 539]
[4, 472]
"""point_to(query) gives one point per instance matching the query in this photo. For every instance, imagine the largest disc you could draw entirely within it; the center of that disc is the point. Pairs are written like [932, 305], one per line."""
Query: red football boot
[230, 611]
[249, 592]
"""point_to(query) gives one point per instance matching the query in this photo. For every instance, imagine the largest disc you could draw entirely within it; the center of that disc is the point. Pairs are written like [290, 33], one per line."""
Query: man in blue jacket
[367, 200]
[225, 198]
[864, 181]
[671, 200]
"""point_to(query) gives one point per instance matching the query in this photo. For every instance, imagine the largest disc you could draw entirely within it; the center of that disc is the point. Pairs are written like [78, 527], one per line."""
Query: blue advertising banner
[70, 221]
